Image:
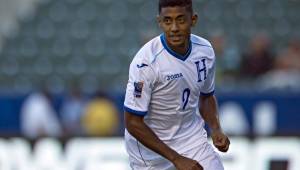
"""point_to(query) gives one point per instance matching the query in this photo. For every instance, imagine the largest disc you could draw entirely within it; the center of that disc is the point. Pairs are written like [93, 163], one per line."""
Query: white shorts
[206, 156]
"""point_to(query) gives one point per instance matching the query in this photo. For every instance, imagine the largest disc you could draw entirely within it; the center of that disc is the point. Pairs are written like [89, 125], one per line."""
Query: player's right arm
[136, 127]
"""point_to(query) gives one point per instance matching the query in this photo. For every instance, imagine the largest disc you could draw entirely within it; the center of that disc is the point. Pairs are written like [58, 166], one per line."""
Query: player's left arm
[209, 112]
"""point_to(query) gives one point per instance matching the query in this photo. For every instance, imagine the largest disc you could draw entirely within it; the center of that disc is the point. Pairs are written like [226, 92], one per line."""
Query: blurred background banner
[64, 68]
[109, 153]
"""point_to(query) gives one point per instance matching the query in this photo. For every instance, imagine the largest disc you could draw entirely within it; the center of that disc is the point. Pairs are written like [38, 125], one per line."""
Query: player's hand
[220, 140]
[183, 163]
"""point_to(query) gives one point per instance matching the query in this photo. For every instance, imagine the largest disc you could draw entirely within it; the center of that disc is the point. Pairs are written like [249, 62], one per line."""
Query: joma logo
[174, 76]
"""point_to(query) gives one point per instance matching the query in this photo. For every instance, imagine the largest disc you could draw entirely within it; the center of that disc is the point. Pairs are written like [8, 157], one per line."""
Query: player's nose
[174, 27]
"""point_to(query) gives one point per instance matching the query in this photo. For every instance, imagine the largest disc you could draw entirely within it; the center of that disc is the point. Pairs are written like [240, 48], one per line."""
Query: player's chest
[178, 75]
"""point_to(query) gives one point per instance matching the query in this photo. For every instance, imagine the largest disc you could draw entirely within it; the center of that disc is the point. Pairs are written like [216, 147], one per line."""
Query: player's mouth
[175, 38]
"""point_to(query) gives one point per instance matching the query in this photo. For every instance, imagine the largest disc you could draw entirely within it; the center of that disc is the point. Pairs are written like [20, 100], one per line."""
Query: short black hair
[172, 3]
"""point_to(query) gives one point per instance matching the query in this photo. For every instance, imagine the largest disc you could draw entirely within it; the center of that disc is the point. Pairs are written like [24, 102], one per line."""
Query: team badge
[138, 88]
[201, 69]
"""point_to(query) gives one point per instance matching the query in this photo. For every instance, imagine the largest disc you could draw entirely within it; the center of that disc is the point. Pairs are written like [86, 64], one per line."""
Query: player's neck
[180, 49]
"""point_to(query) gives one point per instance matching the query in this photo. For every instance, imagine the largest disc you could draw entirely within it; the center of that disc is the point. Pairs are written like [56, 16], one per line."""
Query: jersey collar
[173, 53]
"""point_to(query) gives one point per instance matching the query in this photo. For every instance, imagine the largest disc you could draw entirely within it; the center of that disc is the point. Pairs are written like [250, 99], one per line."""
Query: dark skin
[176, 23]
[209, 112]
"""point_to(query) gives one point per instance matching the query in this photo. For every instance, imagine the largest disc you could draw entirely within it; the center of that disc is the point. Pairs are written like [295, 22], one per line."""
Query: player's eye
[167, 20]
[181, 20]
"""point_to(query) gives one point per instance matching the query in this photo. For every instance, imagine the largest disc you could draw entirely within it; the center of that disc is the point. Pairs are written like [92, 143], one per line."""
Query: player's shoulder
[148, 53]
[202, 43]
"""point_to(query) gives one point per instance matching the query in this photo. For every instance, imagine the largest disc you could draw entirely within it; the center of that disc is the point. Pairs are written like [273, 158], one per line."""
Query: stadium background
[79, 52]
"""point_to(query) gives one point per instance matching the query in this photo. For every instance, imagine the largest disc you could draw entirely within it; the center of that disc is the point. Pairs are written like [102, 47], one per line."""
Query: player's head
[176, 3]
[176, 18]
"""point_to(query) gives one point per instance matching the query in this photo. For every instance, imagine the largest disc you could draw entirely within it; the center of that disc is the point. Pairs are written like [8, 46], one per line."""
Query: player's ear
[194, 19]
[158, 19]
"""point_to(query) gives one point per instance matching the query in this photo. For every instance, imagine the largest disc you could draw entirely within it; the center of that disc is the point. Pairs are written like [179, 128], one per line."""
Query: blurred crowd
[57, 42]
[258, 65]
[75, 115]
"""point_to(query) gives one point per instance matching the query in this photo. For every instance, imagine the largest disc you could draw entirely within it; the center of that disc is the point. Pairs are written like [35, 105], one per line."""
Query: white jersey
[164, 87]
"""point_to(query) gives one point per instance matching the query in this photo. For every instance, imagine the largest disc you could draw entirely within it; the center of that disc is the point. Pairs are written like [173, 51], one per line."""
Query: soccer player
[171, 78]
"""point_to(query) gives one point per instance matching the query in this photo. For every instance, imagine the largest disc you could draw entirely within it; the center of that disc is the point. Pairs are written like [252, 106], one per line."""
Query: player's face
[176, 23]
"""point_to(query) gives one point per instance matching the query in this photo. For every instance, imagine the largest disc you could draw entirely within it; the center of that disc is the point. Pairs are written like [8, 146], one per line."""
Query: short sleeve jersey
[164, 87]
